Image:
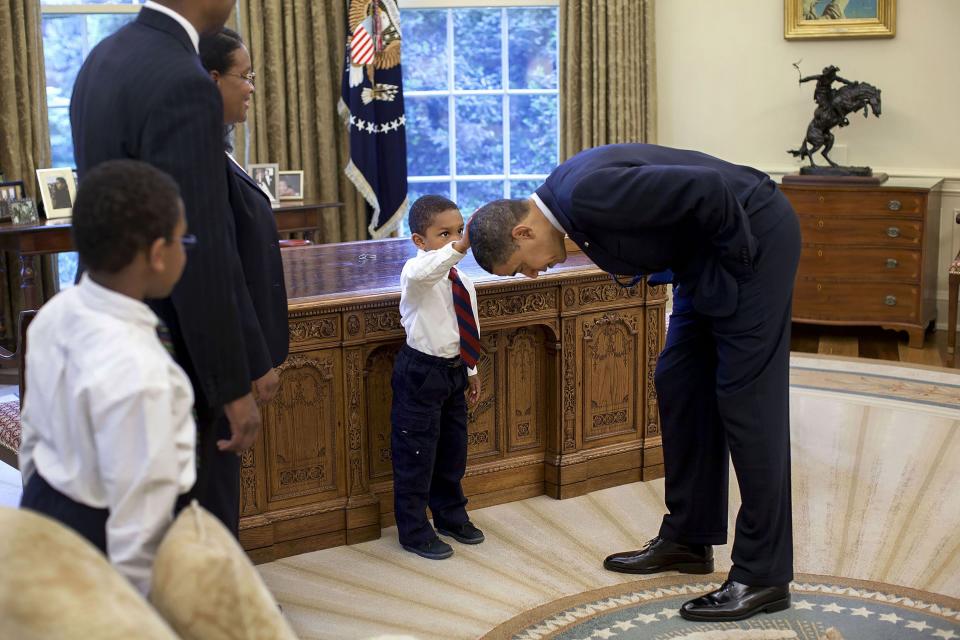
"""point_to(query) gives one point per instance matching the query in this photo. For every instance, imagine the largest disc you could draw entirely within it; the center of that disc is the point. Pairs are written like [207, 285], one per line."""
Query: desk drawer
[863, 302]
[832, 229]
[827, 261]
[901, 203]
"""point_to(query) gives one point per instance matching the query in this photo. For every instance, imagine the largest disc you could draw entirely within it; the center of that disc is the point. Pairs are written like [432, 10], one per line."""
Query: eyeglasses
[188, 241]
[249, 77]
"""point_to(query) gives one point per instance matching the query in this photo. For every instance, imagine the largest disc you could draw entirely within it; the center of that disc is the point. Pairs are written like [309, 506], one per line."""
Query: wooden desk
[568, 403]
[53, 236]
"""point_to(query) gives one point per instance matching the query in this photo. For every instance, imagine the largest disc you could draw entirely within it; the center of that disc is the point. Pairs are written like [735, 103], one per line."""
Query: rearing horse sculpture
[847, 99]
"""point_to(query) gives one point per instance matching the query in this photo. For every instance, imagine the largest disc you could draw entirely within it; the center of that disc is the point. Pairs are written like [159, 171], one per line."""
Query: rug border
[522, 621]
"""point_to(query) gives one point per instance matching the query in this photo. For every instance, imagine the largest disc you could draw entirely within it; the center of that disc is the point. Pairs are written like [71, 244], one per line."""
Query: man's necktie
[469, 336]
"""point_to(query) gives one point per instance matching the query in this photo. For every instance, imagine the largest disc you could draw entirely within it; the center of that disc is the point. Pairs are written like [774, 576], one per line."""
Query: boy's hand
[473, 390]
[463, 244]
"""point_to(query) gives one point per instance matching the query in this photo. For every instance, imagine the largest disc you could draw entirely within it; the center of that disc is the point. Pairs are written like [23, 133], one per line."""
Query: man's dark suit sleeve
[183, 136]
[629, 199]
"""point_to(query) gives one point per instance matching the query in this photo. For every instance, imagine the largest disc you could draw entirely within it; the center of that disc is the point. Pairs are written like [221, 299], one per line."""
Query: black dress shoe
[465, 533]
[660, 555]
[435, 549]
[736, 601]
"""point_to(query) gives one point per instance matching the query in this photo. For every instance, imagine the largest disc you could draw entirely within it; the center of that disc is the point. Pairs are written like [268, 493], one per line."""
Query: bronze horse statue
[847, 99]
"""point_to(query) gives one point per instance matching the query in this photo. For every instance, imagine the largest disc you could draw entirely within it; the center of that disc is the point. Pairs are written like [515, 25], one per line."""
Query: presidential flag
[371, 106]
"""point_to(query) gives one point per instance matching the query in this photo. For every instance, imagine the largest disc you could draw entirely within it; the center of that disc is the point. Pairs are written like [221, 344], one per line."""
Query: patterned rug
[824, 608]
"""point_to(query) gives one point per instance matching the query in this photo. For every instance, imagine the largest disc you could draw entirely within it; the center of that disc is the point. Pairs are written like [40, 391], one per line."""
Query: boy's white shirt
[426, 303]
[108, 418]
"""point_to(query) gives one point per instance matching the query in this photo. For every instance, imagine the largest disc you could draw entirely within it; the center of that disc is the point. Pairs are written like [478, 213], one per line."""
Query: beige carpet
[876, 458]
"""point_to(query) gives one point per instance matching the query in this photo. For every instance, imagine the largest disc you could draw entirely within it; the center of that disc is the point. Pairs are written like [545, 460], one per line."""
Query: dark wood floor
[870, 342]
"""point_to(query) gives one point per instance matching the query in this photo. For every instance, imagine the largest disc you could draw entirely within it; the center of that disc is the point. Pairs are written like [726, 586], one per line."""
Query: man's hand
[265, 388]
[463, 244]
[244, 417]
[473, 390]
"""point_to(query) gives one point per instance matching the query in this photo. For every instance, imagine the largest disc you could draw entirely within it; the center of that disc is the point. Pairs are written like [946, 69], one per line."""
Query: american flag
[361, 46]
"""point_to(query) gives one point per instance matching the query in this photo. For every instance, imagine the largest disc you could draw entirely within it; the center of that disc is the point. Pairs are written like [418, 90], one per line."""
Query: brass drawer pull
[893, 232]
[892, 263]
[819, 224]
[894, 205]
[890, 301]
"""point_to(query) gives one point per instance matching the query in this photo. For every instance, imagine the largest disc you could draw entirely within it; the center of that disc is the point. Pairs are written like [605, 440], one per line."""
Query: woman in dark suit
[227, 60]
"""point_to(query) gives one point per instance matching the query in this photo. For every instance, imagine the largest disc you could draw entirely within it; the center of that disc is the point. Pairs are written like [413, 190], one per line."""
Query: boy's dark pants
[429, 443]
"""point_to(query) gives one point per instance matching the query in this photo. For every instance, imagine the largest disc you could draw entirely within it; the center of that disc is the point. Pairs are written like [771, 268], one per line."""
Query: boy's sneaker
[465, 533]
[435, 549]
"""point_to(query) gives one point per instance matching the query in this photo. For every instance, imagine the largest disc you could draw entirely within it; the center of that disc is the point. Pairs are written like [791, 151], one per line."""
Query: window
[480, 92]
[70, 30]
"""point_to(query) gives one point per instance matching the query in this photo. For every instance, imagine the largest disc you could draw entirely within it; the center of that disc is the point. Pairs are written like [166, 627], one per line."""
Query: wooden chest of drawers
[869, 254]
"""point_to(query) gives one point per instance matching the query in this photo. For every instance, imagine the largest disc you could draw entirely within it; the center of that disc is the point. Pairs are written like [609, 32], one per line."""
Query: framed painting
[818, 19]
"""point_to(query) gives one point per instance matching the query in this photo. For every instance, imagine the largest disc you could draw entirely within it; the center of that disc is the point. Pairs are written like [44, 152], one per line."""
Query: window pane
[523, 188]
[66, 270]
[67, 39]
[417, 189]
[471, 195]
[533, 133]
[428, 137]
[532, 45]
[476, 49]
[424, 49]
[479, 134]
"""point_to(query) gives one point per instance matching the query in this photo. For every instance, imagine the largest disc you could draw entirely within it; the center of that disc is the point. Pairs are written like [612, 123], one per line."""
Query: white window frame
[506, 177]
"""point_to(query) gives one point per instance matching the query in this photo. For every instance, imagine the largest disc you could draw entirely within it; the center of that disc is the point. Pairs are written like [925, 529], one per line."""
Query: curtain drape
[24, 138]
[297, 48]
[607, 73]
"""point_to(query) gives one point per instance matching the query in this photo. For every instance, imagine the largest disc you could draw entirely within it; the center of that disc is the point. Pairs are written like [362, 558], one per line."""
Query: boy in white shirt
[433, 371]
[108, 430]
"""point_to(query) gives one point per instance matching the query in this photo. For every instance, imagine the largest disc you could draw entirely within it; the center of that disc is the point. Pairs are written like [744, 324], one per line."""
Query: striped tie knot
[469, 335]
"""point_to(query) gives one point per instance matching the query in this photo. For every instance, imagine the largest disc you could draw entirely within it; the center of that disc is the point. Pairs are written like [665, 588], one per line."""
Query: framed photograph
[290, 185]
[58, 190]
[23, 211]
[818, 19]
[266, 176]
[12, 190]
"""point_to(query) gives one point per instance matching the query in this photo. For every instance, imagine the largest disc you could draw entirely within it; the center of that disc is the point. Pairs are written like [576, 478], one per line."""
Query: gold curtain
[298, 50]
[24, 136]
[607, 73]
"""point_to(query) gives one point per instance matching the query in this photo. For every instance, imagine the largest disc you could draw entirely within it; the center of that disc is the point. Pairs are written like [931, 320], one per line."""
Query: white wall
[726, 86]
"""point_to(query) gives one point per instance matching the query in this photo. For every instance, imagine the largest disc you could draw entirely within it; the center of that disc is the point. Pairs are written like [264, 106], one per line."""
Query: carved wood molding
[382, 321]
[324, 367]
[652, 410]
[585, 455]
[503, 465]
[354, 380]
[248, 484]
[569, 357]
[512, 305]
[314, 330]
[293, 513]
[607, 321]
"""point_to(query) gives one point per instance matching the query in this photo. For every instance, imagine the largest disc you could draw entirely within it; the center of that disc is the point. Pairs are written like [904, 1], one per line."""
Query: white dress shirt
[188, 27]
[108, 418]
[545, 210]
[426, 303]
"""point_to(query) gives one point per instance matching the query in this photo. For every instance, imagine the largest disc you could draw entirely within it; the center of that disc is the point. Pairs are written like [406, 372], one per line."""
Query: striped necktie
[469, 336]
[163, 332]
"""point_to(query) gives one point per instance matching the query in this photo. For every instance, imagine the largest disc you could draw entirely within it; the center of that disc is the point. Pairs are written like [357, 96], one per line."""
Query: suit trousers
[723, 388]
[218, 473]
[428, 441]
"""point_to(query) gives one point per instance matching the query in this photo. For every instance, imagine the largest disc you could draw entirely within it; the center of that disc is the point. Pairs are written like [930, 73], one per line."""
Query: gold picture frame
[820, 19]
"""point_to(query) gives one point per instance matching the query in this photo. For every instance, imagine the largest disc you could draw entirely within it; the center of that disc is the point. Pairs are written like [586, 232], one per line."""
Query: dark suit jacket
[639, 209]
[267, 330]
[143, 94]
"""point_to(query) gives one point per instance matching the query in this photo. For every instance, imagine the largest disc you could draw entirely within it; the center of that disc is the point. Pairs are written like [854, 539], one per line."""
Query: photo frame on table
[23, 211]
[9, 191]
[58, 190]
[266, 176]
[290, 185]
[822, 19]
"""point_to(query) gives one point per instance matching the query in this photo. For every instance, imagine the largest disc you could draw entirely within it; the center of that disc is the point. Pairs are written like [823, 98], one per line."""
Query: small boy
[108, 430]
[433, 369]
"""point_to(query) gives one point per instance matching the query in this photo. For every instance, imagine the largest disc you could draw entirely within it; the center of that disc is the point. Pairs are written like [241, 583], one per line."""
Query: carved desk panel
[568, 404]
